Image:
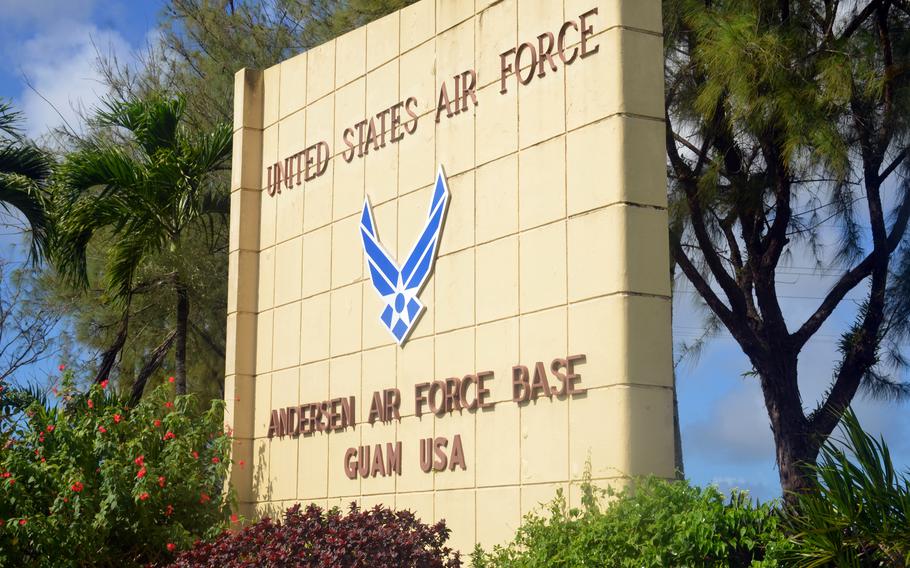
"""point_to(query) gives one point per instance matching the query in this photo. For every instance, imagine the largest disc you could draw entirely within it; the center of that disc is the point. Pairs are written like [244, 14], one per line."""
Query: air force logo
[399, 287]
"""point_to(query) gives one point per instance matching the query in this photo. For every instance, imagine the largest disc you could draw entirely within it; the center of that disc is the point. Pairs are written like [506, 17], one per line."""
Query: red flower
[170, 379]
[102, 429]
[77, 487]
[6, 474]
[157, 423]
[66, 499]
[117, 419]
[195, 454]
[50, 428]
[22, 522]
[143, 496]
[171, 547]
[169, 436]
[215, 460]
[140, 461]
[204, 498]
[161, 480]
[233, 518]
[169, 511]
[62, 367]
[12, 481]
[40, 439]
[169, 404]
[91, 404]
[141, 473]
[103, 384]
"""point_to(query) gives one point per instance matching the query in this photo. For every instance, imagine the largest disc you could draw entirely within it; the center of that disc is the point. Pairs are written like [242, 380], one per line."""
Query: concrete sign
[449, 270]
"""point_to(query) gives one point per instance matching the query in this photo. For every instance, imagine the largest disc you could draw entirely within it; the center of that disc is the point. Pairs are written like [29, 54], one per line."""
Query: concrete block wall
[555, 243]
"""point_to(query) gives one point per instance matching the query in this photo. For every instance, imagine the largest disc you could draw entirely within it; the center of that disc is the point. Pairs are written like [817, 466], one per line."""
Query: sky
[48, 51]
[48, 55]
[726, 434]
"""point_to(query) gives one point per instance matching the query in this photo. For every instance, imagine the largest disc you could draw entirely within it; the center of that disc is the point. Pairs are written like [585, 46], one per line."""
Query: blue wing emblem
[399, 287]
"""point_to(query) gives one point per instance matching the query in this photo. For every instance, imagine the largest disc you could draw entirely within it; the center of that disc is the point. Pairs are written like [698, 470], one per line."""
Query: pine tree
[784, 117]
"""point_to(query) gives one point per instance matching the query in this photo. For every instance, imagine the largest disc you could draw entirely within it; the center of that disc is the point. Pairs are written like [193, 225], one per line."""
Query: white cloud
[757, 490]
[62, 71]
[54, 46]
[21, 13]
[735, 430]
[730, 442]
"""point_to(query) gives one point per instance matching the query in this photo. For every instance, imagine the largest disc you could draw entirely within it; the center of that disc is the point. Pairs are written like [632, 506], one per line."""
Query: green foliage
[750, 74]
[150, 197]
[147, 192]
[654, 523]
[24, 170]
[860, 515]
[787, 123]
[92, 319]
[203, 44]
[94, 483]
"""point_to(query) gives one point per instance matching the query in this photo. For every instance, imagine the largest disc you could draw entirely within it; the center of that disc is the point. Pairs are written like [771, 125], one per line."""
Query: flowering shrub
[94, 483]
[311, 538]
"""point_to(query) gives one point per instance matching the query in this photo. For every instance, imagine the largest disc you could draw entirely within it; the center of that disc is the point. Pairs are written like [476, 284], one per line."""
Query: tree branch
[152, 365]
[109, 357]
[858, 20]
[893, 165]
[726, 282]
[207, 338]
[862, 352]
[738, 326]
[851, 278]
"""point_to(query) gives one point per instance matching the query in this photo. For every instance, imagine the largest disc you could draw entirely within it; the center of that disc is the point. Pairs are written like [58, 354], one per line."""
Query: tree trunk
[150, 367]
[677, 435]
[795, 446]
[795, 450]
[109, 357]
[183, 314]
[678, 463]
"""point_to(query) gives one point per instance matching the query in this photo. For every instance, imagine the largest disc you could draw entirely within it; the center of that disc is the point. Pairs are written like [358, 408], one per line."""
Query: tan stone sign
[542, 344]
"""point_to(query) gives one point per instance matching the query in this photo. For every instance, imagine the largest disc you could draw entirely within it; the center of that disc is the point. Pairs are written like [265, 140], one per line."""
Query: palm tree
[146, 188]
[24, 171]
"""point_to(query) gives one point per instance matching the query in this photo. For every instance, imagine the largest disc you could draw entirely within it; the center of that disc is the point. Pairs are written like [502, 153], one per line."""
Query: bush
[94, 483]
[655, 523]
[860, 515]
[377, 537]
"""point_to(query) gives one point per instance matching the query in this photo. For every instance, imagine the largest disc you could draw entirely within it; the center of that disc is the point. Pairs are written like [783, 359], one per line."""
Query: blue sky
[726, 435]
[53, 45]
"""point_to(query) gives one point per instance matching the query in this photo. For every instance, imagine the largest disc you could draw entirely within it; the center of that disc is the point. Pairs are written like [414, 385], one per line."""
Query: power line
[787, 296]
